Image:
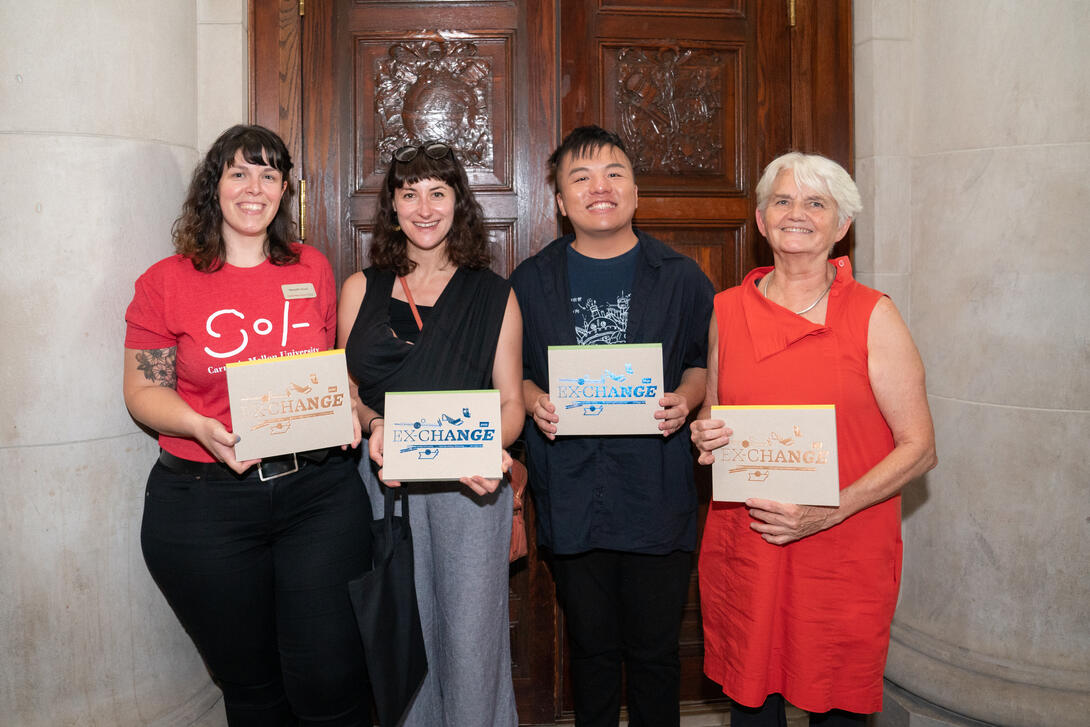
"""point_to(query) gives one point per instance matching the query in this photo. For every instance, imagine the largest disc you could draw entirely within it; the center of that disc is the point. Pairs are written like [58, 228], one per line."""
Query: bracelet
[370, 422]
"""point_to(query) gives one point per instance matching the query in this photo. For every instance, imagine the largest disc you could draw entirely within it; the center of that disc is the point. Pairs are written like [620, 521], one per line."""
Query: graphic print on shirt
[600, 322]
[254, 325]
[260, 326]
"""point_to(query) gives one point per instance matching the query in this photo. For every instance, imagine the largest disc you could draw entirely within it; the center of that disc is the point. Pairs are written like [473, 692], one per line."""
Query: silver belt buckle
[293, 470]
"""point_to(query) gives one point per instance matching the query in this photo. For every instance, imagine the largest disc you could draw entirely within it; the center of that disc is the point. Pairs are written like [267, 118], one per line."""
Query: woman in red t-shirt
[253, 557]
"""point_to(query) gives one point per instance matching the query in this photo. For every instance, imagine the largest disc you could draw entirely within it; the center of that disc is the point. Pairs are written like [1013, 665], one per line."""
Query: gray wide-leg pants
[460, 547]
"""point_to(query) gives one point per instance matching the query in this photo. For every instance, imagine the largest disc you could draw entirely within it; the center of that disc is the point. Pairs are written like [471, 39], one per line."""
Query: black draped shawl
[455, 350]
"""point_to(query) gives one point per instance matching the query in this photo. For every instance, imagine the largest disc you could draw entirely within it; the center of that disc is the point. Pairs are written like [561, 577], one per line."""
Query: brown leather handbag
[517, 476]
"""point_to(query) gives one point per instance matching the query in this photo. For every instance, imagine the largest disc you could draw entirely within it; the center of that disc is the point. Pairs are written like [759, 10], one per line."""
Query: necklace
[810, 307]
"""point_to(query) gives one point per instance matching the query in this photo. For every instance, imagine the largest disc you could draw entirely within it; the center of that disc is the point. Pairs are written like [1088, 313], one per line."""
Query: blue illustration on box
[594, 395]
[427, 438]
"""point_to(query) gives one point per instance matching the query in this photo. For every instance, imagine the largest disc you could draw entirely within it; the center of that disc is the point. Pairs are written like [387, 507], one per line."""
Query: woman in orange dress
[797, 600]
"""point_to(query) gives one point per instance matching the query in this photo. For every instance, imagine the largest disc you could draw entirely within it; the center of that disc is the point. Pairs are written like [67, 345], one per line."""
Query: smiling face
[249, 196]
[425, 211]
[800, 220]
[597, 193]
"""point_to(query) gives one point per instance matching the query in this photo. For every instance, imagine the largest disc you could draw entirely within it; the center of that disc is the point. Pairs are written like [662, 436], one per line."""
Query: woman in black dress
[429, 315]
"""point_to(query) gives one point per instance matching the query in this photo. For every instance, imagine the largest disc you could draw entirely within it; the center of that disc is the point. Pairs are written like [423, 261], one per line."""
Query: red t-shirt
[233, 314]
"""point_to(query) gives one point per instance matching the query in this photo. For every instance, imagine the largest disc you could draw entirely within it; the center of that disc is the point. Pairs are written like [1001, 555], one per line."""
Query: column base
[903, 709]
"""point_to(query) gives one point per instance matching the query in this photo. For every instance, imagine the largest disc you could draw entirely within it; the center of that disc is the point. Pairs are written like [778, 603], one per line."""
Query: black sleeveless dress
[455, 350]
[460, 539]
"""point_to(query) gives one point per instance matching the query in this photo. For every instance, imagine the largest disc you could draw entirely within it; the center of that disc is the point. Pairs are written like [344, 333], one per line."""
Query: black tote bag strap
[388, 615]
[390, 497]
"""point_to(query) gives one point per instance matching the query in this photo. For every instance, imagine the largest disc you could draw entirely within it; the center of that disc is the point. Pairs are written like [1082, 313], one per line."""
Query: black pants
[624, 608]
[773, 714]
[257, 573]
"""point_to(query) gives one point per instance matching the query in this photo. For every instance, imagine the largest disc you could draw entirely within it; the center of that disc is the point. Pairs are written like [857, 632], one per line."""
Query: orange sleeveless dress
[811, 619]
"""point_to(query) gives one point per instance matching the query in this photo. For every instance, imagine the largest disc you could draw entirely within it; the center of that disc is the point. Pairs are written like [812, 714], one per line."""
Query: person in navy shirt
[616, 515]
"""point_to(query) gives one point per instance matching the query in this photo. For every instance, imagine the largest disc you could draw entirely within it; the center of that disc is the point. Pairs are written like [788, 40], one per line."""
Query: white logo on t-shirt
[598, 323]
[261, 326]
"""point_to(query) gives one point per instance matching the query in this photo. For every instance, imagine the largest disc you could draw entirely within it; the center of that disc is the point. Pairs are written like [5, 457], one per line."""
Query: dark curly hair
[467, 241]
[197, 232]
[581, 142]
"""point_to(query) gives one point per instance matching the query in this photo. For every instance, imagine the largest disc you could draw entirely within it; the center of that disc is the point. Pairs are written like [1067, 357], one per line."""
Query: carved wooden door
[377, 74]
[704, 92]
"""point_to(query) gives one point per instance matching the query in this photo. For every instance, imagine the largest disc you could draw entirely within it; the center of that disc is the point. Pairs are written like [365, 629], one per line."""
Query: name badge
[295, 291]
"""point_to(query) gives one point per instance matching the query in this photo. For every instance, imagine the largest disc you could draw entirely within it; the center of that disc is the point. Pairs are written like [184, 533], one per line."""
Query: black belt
[269, 468]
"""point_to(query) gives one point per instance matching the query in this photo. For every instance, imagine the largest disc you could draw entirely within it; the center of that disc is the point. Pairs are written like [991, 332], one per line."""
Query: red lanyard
[412, 303]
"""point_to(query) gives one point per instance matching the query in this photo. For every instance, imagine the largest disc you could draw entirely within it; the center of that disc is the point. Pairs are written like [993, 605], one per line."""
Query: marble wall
[973, 148]
[104, 108]
[223, 74]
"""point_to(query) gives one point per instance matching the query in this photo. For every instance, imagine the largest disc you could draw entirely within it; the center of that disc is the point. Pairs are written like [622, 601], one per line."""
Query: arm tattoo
[157, 364]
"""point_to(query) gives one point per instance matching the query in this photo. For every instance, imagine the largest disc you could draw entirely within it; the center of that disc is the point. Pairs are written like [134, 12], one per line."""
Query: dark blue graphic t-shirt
[600, 293]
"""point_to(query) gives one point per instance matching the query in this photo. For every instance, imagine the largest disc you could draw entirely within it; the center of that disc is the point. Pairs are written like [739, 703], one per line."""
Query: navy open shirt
[627, 493]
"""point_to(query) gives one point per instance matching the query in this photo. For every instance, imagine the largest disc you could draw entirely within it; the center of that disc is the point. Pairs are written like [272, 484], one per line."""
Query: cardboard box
[441, 435]
[611, 389]
[289, 404]
[781, 453]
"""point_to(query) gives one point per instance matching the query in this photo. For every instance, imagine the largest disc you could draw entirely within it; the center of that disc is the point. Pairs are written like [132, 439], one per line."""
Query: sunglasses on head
[432, 149]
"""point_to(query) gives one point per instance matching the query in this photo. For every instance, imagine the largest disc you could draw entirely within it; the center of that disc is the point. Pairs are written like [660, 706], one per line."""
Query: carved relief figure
[433, 89]
[669, 103]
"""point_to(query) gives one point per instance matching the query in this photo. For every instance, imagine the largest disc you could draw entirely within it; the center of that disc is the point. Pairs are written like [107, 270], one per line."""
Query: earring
[397, 228]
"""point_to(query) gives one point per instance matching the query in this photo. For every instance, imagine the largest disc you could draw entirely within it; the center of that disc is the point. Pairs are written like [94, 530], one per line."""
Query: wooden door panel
[680, 110]
[420, 86]
[430, 88]
[715, 246]
[378, 77]
[703, 8]
[676, 81]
